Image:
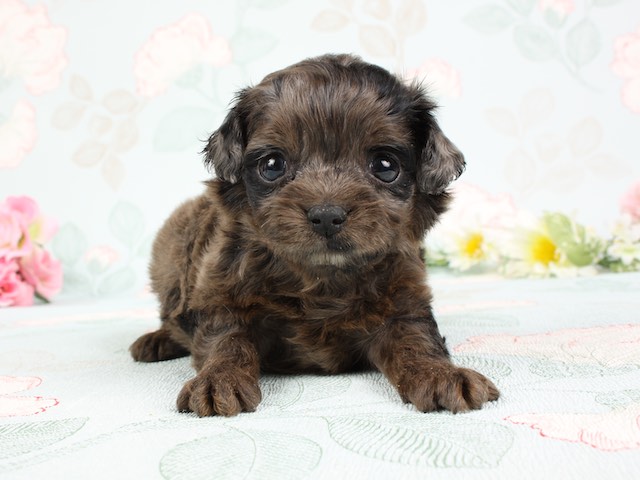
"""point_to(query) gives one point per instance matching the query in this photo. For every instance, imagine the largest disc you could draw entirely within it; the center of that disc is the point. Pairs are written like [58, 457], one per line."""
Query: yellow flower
[541, 249]
[472, 246]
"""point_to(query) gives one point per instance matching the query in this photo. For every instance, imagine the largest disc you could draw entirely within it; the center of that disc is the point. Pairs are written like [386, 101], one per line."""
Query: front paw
[220, 393]
[447, 387]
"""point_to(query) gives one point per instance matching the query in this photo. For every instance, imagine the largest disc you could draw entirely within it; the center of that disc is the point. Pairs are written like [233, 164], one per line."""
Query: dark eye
[384, 168]
[272, 167]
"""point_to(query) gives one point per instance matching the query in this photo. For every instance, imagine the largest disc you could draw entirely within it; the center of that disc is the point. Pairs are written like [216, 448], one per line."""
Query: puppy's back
[172, 268]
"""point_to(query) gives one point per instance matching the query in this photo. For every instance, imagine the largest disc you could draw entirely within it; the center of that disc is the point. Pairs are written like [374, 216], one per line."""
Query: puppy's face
[340, 161]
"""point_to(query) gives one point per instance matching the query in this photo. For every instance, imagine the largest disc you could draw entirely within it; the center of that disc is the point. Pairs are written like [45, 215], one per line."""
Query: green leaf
[534, 42]
[117, 282]
[377, 40]
[443, 441]
[126, 223]
[583, 43]
[248, 455]
[279, 393]
[69, 244]
[492, 368]
[571, 239]
[68, 115]
[523, 7]
[183, 129]
[190, 78]
[489, 19]
[76, 283]
[21, 438]
[560, 228]
[250, 44]
[580, 254]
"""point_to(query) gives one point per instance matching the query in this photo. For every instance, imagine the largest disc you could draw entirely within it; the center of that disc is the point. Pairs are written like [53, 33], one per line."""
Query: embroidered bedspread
[565, 354]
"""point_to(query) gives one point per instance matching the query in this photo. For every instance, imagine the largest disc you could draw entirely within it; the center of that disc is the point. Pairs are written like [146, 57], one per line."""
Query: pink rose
[14, 242]
[30, 46]
[439, 77]
[630, 202]
[630, 94]
[174, 50]
[13, 289]
[25, 208]
[40, 228]
[626, 63]
[17, 134]
[100, 258]
[39, 268]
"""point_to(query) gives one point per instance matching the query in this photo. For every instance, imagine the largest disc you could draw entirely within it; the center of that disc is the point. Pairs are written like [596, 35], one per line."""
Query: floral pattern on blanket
[579, 352]
[610, 431]
[564, 353]
[13, 406]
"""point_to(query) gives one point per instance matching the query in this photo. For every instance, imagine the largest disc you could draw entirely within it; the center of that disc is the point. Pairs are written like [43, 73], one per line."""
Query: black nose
[326, 220]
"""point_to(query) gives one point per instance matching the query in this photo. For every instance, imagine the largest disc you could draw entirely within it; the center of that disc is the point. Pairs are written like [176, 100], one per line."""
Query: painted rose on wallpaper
[18, 135]
[630, 202]
[439, 76]
[174, 50]
[31, 47]
[626, 65]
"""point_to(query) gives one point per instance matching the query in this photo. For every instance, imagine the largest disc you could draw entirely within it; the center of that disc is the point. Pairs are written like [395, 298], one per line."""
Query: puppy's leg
[157, 346]
[228, 373]
[412, 355]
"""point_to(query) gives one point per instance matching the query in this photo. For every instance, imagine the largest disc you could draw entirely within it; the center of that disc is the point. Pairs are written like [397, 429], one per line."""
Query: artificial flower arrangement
[27, 270]
[483, 232]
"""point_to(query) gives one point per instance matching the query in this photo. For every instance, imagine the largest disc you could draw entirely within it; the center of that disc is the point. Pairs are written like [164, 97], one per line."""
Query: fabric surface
[565, 354]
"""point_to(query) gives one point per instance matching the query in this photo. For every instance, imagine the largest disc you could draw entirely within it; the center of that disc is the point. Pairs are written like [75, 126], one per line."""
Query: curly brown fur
[304, 254]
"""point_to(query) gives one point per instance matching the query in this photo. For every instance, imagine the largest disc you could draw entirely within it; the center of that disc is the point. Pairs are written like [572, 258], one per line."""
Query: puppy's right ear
[225, 148]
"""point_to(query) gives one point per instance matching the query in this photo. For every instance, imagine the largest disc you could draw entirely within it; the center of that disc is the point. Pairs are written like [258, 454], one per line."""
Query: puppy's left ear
[440, 164]
[225, 148]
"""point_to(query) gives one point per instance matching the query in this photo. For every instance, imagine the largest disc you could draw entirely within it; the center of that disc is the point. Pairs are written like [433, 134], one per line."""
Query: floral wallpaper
[104, 105]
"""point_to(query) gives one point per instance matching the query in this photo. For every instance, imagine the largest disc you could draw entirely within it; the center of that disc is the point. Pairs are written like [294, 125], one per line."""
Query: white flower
[470, 233]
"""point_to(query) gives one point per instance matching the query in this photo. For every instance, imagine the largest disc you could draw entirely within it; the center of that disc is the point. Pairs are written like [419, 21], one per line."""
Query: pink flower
[630, 94]
[630, 202]
[12, 406]
[40, 229]
[440, 77]
[14, 242]
[17, 134]
[610, 432]
[100, 258]
[175, 49]
[14, 291]
[40, 269]
[560, 7]
[26, 208]
[626, 63]
[31, 47]
[609, 346]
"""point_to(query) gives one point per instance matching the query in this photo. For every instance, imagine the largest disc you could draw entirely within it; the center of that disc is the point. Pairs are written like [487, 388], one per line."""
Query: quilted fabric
[565, 354]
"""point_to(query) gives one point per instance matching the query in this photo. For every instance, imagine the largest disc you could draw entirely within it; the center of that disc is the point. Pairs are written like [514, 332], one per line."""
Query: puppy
[304, 253]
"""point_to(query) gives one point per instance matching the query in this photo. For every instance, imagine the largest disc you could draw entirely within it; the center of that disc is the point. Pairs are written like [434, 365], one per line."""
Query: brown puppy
[304, 254]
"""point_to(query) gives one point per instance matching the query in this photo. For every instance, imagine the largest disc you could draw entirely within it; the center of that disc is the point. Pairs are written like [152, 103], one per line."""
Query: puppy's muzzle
[327, 220]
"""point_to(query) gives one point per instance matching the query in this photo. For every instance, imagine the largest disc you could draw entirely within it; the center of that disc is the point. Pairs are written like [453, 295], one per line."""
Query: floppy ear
[225, 148]
[440, 164]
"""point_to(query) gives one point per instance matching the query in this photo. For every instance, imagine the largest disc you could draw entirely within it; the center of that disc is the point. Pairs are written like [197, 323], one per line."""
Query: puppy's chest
[324, 337]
